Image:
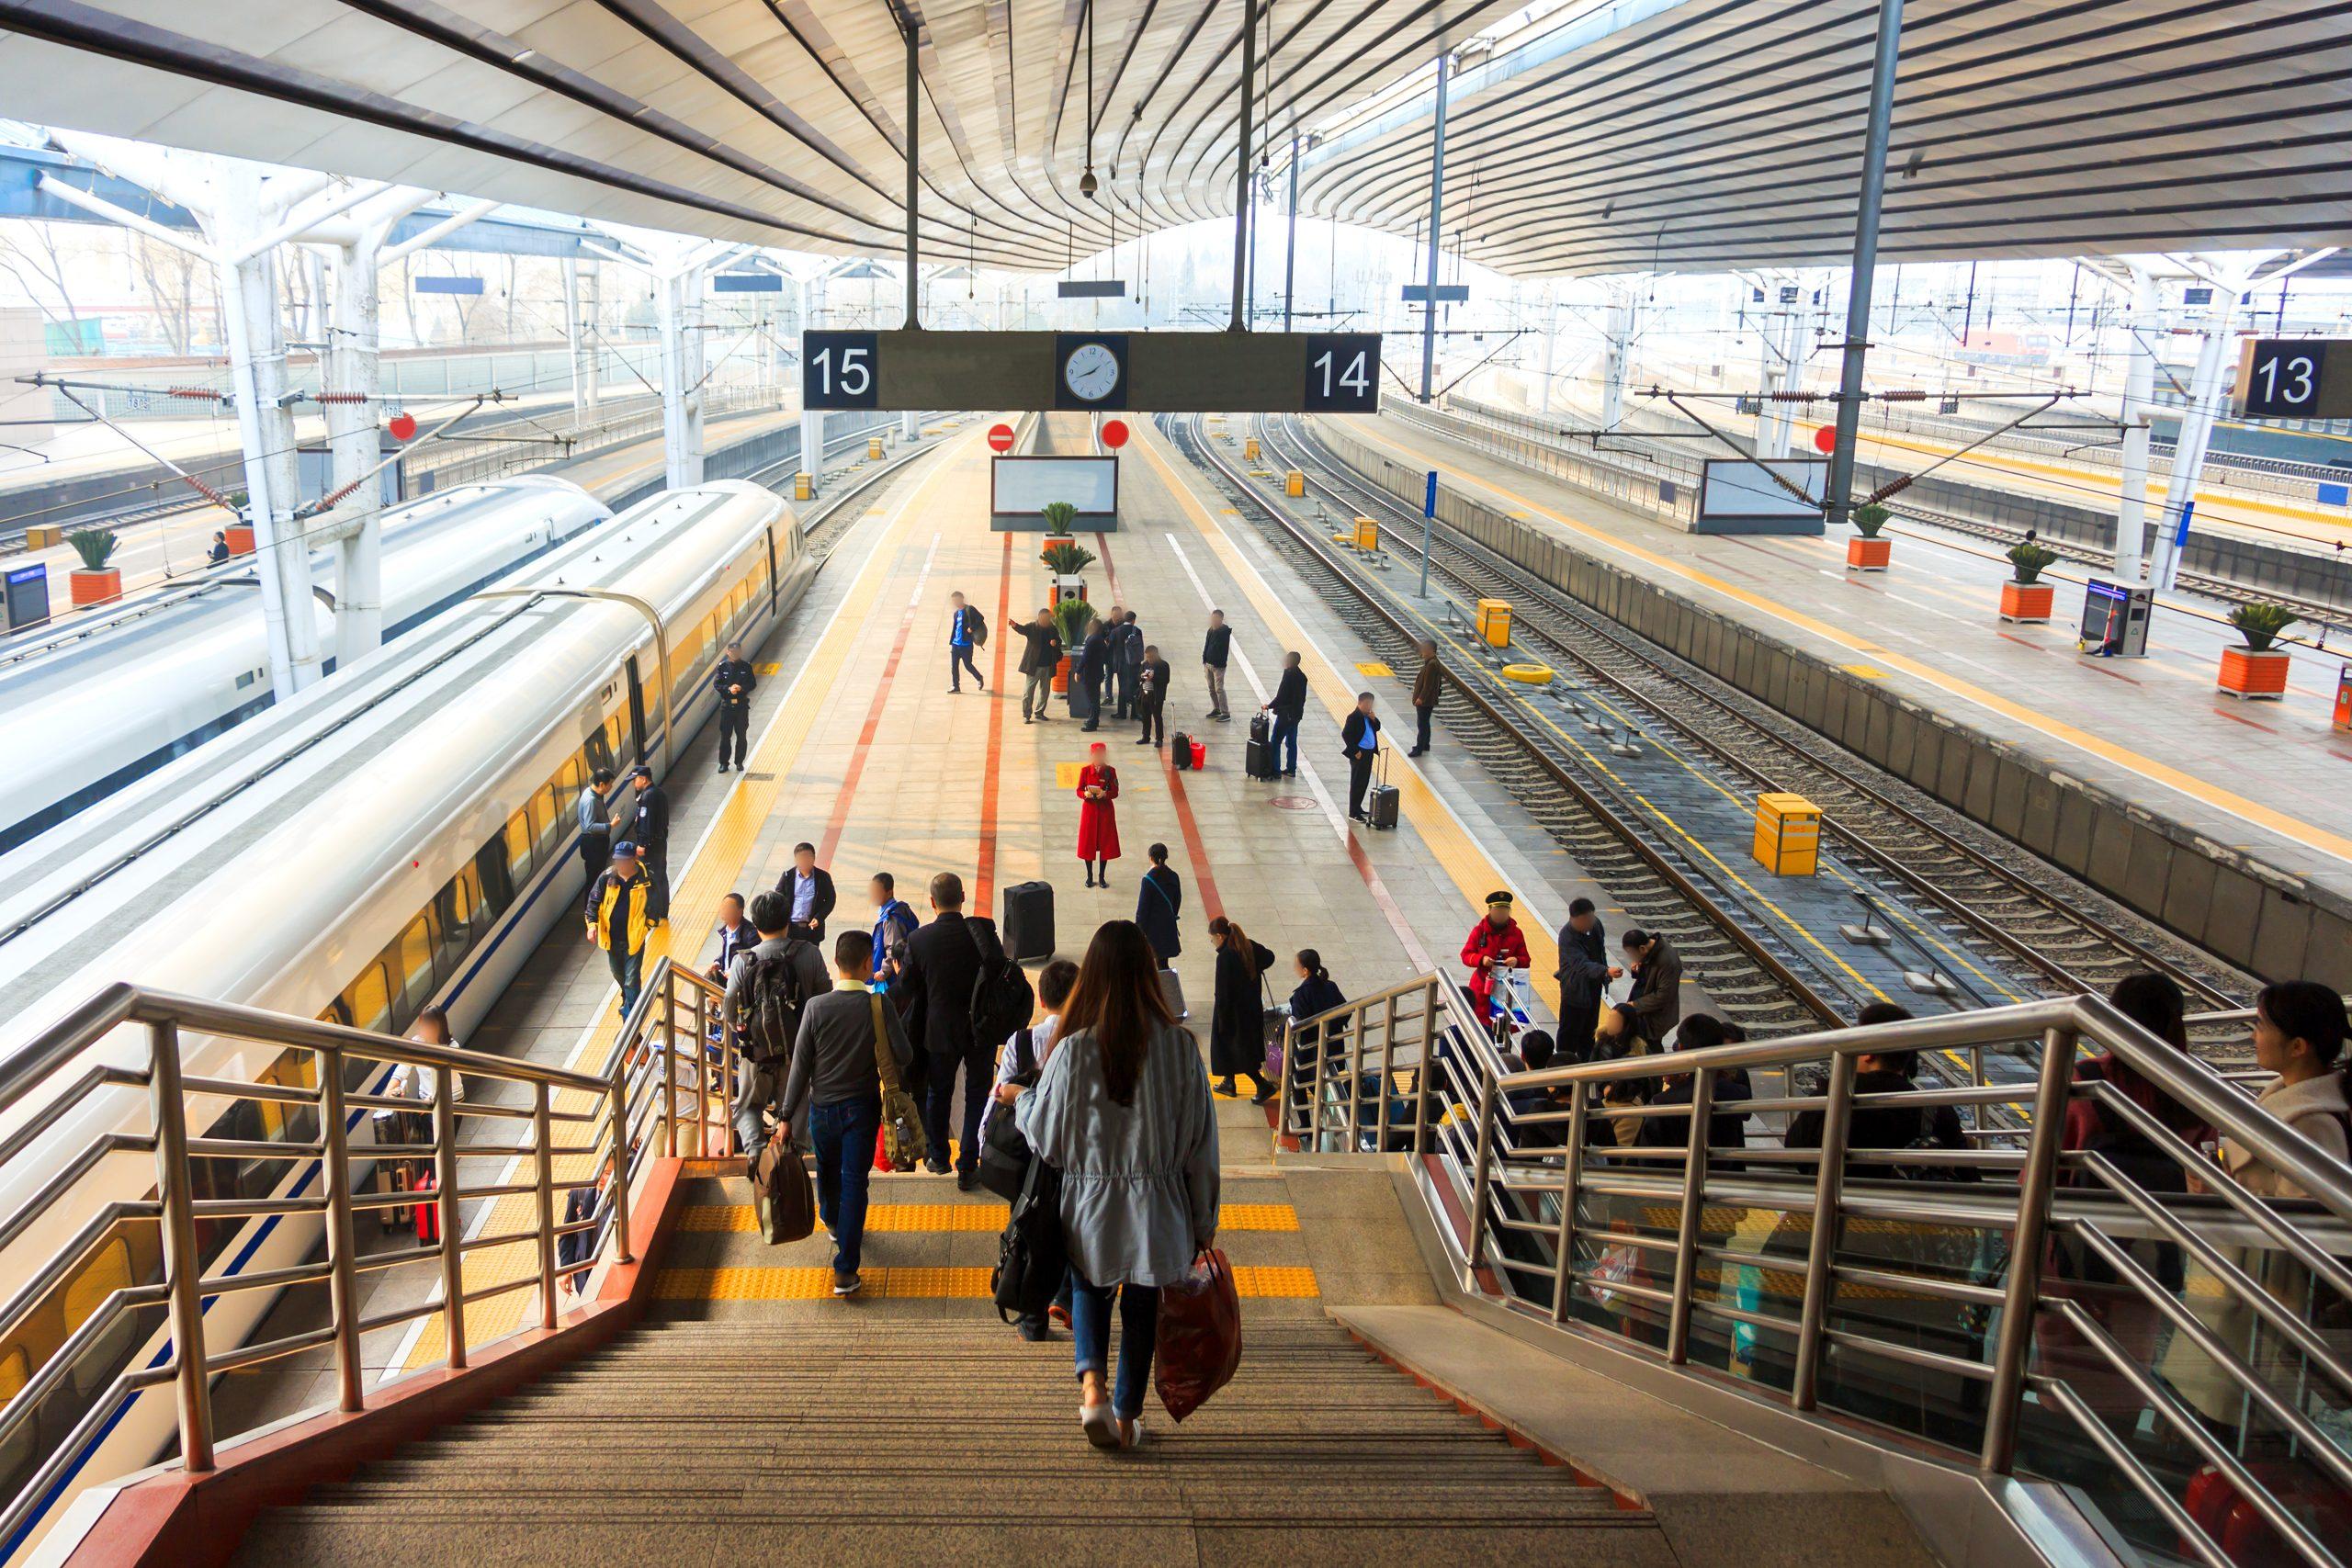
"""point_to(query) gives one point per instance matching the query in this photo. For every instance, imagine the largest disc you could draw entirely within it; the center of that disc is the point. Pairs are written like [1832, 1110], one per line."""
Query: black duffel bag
[1004, 1153]
[1032, 1255]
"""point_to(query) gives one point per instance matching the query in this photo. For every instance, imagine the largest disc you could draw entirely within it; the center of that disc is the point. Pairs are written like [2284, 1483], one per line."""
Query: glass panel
[520, 856]
[369, 1001]
[414, 960]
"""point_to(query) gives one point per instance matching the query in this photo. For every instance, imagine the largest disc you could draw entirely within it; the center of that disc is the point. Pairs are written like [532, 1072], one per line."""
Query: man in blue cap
[618, 920]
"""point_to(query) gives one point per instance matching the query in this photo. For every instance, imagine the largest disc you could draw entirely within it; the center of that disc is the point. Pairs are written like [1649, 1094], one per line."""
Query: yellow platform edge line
[918, 1218]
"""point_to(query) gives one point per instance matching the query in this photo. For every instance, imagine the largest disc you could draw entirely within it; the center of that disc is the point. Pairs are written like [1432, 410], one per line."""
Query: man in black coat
[1040, 656]
[1288, 708]
[936, 998]
[1216, 651]
[733, 681]
[1583, 973]
[806, 889]
[1127, 644]
[650, 833]
[1360, 744]
[1151, 698]
[1093, 664]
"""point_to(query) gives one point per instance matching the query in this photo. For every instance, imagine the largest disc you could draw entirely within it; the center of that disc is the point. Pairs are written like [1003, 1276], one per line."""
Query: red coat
[1484, 942]
[1098, 820]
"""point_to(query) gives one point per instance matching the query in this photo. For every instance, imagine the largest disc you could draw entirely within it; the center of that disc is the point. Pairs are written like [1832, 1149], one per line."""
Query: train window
[489, 868]
[369, 1000]
[552, 815]
[108, 1270]
[413, 959]
[15, 1371]
[519, 856]
[455, 906]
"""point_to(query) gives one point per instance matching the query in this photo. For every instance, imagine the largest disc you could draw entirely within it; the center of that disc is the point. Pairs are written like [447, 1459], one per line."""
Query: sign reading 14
[1343, 373]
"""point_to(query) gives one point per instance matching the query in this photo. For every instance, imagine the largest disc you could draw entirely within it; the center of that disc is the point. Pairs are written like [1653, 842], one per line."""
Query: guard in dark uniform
[734, 682]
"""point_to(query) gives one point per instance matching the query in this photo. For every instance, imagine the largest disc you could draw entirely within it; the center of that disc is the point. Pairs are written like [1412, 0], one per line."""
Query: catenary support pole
[2141, 325]
[353, 370]
[1437, 216]
[2196, 432]
[914, 168]
[1290, 244]
[1239, 323]
[1839, 498]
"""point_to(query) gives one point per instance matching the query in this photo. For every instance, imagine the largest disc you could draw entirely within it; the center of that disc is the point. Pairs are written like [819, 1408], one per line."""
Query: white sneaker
[1130, 1433]
[1101, 1427]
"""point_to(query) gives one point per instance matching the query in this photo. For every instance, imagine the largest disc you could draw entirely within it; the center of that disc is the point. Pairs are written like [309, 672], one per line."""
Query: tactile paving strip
[910, 1284]
[898, 1217]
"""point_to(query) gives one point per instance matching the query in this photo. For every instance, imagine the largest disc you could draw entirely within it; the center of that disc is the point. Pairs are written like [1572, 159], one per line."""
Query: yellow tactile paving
[2212, 794]
[693, 905]
[987, 1217]
[918, 1284]
[1447, 841]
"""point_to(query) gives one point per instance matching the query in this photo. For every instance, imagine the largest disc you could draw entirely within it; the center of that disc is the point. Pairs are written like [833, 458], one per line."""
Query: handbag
[902, 1133]
[1198, 1346]
[1004, 1153]
[1033, 1255]
[781, 1195]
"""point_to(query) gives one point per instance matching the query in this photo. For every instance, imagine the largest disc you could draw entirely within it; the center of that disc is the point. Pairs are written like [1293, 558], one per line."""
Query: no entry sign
[999, 438]
[1114, 433]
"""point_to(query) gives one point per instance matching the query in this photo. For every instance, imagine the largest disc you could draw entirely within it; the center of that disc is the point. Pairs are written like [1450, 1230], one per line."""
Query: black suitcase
[1380, 801]
[1180, 750]
[1028, 924]
[1258, 760]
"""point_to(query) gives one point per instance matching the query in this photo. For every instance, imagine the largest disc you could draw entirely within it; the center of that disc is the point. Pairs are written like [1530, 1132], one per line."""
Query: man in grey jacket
[765, 1060]
[836, 1074]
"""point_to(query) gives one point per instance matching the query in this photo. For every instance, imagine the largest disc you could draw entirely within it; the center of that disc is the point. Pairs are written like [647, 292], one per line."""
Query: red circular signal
[403, 426]
[1114, 433]
[1825, 438]
[1000, 437]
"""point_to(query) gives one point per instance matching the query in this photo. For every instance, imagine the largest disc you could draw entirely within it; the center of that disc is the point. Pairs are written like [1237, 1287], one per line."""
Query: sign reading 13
[840, 370]
[1343, 373]
[2295, 378]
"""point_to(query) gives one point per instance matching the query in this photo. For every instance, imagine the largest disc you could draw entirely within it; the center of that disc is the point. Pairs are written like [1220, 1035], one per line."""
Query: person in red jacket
[1098, 818]
[1495, 943]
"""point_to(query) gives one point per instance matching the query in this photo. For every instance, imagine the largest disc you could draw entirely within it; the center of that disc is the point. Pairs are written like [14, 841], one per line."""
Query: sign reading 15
[1343, 373]
[840, 370]
[2295, 378]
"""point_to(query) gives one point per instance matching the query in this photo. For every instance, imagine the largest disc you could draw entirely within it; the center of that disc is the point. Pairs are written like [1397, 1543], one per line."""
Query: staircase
[923, 1430]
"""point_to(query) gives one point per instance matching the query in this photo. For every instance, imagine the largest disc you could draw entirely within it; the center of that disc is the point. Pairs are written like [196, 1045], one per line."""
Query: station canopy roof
[1583, 138]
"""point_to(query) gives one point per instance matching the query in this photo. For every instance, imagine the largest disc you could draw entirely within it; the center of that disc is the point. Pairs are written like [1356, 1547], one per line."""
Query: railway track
[2030, 924]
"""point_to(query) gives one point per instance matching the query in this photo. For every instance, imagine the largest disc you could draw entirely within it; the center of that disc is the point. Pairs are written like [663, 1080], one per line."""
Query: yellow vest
[614, 888]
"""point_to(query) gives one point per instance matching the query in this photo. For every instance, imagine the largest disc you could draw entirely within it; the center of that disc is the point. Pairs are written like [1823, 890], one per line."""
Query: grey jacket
[833, 1059]
[736, 1006]
[1140, 1182]
[1656, 997]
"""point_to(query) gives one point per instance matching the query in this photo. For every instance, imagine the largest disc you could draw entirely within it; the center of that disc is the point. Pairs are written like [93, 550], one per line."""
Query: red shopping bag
[1200, 1335]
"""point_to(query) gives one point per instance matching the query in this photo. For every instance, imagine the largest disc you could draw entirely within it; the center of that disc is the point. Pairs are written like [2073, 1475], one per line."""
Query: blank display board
[1026, 484]
[1740, 495]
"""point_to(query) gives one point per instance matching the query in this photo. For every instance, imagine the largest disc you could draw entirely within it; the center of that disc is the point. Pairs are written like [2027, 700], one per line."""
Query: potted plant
[2026, 597]
[1070, 615]
[1068, 561]
[1059, 516]
[239, 532]
[94, 581]
[1869, 553]
[2257, 670]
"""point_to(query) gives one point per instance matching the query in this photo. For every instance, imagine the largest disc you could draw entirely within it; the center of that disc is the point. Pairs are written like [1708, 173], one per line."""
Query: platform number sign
[2295, 378]
[840, 370]
[1343, 373]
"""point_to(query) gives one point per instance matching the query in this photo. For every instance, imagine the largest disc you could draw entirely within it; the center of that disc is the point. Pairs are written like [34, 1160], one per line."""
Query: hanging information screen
[2295, 377]
[1138, 372]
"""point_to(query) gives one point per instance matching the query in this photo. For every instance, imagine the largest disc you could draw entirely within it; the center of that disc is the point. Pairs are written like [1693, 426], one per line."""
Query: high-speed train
[400, 836]
[109, 697]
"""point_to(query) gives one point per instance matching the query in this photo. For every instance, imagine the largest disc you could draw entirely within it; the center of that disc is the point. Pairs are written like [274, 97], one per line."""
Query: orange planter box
[2026, 601]
[84, 587]
[1868, 555]
[1047, 549]
[2245, 673]
[241, 540]
[1061, 675]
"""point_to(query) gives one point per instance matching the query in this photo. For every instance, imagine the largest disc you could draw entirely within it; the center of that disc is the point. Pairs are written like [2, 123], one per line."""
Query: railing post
[543, 1128]
[342, 1247]
[730, 1087]
[1480, 1177]
[1315, 1108]
[1694, 1198]
[445, 1165]
[1387, 1073]
[1829, 1197]
[621, 1253]
[702, 1066]
[1571, 1179]
[1429, 1066]
[183, 1269]
[1283, 1085]
[2022, 1293]
[668, 1034]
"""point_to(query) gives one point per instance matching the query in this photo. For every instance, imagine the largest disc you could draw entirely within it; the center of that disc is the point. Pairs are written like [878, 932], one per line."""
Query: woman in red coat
[1097, 819]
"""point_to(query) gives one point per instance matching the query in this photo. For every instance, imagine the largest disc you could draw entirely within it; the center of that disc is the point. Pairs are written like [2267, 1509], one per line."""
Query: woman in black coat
[1158, 903]
[1314, 995]
[1236, 1027]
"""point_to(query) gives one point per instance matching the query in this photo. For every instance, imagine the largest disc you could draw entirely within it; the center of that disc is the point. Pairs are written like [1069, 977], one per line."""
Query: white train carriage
[400, 836]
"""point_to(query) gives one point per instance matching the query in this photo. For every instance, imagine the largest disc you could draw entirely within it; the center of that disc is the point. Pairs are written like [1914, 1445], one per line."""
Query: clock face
[1092, 372]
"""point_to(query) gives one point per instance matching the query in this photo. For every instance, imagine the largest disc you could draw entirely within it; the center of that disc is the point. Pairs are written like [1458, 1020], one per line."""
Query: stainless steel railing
[664, 1085]
[2018, 1305]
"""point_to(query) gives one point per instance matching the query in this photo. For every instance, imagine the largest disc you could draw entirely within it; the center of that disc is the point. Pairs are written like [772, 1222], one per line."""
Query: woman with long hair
[1237, 1022]
[1123, 1109]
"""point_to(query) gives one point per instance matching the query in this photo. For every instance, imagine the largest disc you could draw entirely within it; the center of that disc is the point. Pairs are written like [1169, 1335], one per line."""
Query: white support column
[812, 448]
[352, 369]
[1617, 336]
[580, 313]
[680, 432]
[1551, 342]
[2196, 432]
[2142, 325]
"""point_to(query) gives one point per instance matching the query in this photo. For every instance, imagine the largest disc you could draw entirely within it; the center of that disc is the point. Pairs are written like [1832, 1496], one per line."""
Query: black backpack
[1033, 1254]
[976, 625]
[778, 994]
[1004, 1153]
[1001, 998]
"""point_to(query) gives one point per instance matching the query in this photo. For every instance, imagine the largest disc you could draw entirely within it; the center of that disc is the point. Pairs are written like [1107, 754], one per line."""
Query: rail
[663, 1086]
[2144, 1332]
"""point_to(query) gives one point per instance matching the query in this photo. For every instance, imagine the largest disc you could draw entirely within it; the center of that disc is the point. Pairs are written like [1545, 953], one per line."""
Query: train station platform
[2256, 785]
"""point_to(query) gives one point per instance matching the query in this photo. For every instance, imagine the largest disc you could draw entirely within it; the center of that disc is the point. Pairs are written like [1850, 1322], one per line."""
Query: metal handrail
[1471, 1116]
[672, 1023]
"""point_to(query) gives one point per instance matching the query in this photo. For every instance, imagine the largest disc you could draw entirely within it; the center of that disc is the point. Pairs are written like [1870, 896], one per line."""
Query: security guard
[733, 682]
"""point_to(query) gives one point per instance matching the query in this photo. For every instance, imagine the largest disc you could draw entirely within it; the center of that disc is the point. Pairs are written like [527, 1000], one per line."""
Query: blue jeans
[844, 1134]
[1090, 1326]
[1284, 739]
[628, 974]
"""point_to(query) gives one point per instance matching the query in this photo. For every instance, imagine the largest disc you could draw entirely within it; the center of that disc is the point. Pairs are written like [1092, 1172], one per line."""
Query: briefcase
[1028, 925]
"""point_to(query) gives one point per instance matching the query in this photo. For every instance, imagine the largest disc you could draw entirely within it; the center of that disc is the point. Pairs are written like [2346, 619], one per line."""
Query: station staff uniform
[734, 682]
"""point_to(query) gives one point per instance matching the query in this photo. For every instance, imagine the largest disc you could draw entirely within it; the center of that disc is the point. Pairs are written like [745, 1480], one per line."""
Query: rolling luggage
[428, 1209]
[1258, 760]
[1171, 991]
[1028, 926]
[1180, 750]
[1380, 801]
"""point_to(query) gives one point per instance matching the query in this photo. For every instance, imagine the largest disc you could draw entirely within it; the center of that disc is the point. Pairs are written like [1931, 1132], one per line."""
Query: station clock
[1090, 370]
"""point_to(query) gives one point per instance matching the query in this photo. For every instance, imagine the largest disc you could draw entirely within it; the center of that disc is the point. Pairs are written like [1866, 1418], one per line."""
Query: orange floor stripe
[902, 1218]
[984, 870]
[947, 1284]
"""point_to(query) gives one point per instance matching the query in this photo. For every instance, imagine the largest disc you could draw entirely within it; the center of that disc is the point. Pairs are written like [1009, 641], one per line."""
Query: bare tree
[175, 281]
[30, 248]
